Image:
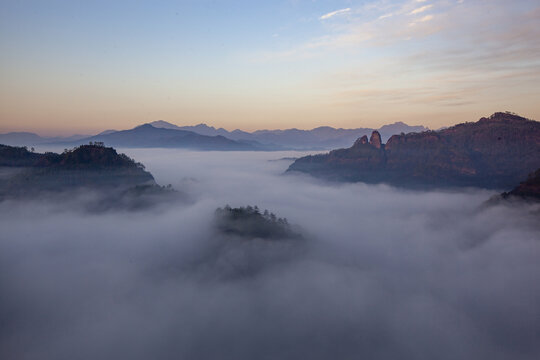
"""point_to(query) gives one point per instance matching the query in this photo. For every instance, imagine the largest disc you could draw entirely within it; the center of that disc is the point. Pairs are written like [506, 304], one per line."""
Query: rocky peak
[375, 139]
[361, 141]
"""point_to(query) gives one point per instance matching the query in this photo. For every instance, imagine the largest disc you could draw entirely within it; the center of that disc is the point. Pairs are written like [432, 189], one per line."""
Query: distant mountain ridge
[199, 137]
[147, 135]
[324, 137]
[27, 138]
[494, 152]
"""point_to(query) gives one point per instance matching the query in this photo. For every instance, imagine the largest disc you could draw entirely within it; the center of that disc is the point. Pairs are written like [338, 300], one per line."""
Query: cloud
[385, 273]
[334, 13]
[422, 19]
[490, 47]
[420, 9]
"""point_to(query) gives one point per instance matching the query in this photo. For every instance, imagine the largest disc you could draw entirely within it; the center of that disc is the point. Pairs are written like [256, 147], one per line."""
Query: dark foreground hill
[494, 152]
[88, 166]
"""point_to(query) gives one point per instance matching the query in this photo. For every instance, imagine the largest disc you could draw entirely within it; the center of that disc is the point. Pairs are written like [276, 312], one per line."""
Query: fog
[383, 273]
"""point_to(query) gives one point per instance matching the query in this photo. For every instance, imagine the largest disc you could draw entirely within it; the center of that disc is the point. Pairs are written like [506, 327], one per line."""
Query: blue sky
[83, 66]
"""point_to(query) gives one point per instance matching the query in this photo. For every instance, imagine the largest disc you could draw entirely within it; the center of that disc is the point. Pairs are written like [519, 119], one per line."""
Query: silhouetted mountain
[20, 138]
[91, 166]
[149, 136]
[399, 127]
[201, 129]
[29, 139]
[324, 137]
[495, 152]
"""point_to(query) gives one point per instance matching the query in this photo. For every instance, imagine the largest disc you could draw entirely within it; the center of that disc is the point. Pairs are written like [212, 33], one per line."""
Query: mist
[383, 273]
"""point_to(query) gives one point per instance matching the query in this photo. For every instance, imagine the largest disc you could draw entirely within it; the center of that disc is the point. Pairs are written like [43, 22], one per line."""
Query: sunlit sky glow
[86, 66]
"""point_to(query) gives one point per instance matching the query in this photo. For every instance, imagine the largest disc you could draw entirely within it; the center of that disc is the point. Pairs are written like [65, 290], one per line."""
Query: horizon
[82, 68]
[203, 124]
[68, 134]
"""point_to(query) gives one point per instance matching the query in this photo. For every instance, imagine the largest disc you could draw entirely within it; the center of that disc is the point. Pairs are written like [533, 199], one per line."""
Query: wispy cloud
[468, 59]
[334, 13]
[466, 46]
[421, 20]
[421, 9]
[385, 16]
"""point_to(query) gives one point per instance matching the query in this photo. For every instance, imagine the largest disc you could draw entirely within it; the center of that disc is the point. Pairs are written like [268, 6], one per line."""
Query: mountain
[149, 136]
[494, 152]
[201, 129]
[29, 139]
[21, 138]
[399, 127]
[324, 137]
[91, 166]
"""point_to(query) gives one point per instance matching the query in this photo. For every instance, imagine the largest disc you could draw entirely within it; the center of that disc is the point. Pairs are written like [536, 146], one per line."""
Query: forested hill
[90, 156]
[94, 166]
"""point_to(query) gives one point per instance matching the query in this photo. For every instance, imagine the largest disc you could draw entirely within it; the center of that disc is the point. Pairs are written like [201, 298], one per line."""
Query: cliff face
[495, 152]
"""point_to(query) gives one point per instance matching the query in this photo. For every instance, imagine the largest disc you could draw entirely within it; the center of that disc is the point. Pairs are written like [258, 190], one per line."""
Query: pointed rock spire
[375, 139]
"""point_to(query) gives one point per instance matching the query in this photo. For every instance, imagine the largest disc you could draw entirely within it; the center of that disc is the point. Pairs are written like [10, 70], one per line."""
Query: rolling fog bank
[383, 273]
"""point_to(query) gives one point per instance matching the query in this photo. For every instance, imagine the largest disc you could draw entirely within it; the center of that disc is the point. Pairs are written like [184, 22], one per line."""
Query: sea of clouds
[383, 273]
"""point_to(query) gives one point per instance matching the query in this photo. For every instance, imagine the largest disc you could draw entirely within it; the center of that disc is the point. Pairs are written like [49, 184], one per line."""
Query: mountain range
[494, 152]
[22, 138]
[203, 137]
[150, 136]
[324, 137]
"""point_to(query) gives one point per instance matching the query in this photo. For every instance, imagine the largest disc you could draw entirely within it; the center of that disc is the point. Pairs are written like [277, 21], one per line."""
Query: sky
[85, 66]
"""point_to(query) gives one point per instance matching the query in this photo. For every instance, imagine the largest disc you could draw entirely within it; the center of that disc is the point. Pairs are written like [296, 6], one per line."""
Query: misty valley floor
[383, 273]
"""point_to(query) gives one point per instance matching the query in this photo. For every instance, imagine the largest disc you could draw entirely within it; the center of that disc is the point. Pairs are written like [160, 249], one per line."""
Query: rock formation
[361, 141]
[375, 140]
[494, 152]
